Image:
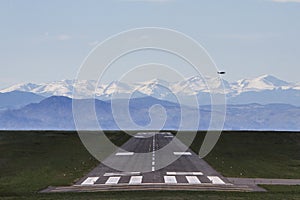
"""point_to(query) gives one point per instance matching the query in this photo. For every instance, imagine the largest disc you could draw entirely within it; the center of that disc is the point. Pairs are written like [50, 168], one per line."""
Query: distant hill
[55, 113]
[17, 99]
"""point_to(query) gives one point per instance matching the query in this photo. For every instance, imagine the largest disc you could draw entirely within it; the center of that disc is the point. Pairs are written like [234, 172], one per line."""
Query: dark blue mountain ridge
[17, 99]
[289, 96]
[55, 113]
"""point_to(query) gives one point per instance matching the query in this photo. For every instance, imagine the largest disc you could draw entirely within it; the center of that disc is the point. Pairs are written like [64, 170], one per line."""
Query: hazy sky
[43, 41]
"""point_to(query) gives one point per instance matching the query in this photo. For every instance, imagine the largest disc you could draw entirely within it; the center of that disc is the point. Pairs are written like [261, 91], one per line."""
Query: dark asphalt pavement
[145, 159]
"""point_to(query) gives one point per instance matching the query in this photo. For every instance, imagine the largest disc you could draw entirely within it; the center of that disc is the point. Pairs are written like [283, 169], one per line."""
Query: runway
[143, 163]
[140, 163]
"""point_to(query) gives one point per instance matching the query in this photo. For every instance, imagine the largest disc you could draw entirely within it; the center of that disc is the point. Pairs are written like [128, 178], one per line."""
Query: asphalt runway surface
[144, 160]
[159, 161]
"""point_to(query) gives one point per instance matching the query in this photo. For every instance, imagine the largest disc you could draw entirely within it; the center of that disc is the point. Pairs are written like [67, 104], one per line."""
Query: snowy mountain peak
[272, 80]
[155, 81]
[20, 87]
[157, 88]
[265, 82]
[197, 80]
[116, 87]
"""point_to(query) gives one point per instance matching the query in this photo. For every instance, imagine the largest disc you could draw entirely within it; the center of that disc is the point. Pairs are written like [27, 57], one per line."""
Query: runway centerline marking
[90, 181]
[113, 180]
[193, 180]
[182, 153]
[122, 173]
[124, 153]
[153, 154]
[185, 173]
[216, 180]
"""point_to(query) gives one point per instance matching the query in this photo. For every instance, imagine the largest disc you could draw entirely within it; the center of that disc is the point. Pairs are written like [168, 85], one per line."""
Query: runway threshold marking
[193, 180]
[136, 180]
[124, 153]
[185, 173]
[182, 153]
[170, 179]
[215, 180]
[113, 180]
[90, 181]
[122, 173]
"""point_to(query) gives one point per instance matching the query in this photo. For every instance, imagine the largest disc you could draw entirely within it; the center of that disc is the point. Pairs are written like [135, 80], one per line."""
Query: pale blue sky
[43, 41]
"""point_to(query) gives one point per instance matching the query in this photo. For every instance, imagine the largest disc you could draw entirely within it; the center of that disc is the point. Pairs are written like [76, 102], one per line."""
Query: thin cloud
[249, 36]
[150, 1]
[7, 82]
[286, 1]
[63, 37]
[59, 37]
[93, 43]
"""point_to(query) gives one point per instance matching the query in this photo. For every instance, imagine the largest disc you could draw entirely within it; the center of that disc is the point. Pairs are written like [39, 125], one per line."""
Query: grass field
[255, 154]
[275, 194]
[31, 161]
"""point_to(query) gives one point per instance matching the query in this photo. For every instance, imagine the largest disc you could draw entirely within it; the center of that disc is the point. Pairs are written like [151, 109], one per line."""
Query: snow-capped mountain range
[264, 89]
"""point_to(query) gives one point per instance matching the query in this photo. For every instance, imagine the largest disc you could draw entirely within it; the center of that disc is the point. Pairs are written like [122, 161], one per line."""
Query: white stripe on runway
[170, 179]
[182, 153]
[113, 180]
[122, 174]
[136, 180]
[185, 173]
[124, 153]
[193, 180]
[90, 181]
[138, 136]
[168, 136]
[215, 180]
